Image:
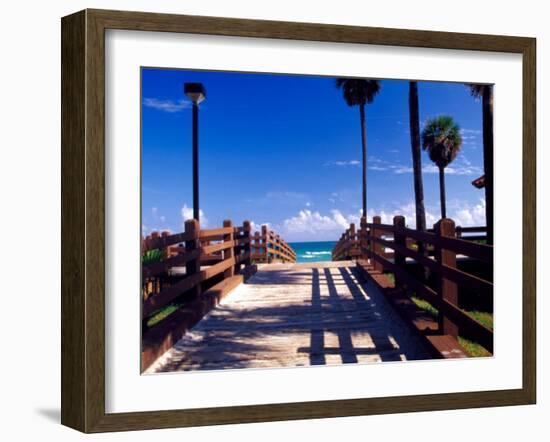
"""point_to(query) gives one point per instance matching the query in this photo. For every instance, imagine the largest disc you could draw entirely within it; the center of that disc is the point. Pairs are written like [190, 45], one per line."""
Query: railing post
[230, 252]
[362, 240]
[399, 240]
[376, 246]
[247, 246]
[447, 289]
[265, 243]
[352, 239]
[192, 244]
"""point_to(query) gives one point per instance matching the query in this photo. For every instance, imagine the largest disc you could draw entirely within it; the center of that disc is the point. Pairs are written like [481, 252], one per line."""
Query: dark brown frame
[83, 216]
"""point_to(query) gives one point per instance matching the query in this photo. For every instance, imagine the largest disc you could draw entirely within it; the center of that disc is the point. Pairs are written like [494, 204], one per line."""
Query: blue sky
[286, 150]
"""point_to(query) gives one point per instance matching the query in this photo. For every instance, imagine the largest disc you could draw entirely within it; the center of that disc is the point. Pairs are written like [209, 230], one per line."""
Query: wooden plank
[471, 281]
[162, 242]
[483, 252]
[447, 289]
[207, 233]
[212, 248]
[295, 314]
[447, 346]
[385, 227]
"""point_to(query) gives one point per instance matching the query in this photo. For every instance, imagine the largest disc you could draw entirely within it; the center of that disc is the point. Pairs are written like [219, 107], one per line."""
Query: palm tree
[442, 140]
[485, 93]
[359, 92]
[414, 126]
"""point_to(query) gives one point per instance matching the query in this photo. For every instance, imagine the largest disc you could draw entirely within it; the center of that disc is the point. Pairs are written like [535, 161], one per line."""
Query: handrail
[188, 261]
[445, 244]
[268, 246]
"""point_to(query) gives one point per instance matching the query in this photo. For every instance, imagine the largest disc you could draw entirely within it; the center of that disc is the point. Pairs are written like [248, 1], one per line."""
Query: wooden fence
[186, 274]
[436, 251]
[267, 247]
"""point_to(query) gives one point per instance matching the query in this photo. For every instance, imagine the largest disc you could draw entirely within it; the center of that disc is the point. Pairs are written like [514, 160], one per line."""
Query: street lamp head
[195, 91]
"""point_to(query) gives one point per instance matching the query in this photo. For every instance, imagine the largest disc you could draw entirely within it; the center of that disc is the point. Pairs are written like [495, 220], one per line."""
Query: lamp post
[197, 94]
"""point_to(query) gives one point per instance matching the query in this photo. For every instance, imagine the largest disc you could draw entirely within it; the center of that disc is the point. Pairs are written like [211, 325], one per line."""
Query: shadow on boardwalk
[296, 315]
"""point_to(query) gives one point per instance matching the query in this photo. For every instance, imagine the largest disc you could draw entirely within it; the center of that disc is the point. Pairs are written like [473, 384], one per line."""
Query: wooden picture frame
[83, 220]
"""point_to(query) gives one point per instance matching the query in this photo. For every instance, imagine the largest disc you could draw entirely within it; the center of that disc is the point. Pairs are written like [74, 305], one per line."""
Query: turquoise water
[314, 251]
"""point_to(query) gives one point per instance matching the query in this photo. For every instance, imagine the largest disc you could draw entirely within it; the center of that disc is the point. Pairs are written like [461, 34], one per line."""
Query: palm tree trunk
[488, 159]
[414, 124]
[442, 192]
[364, 145]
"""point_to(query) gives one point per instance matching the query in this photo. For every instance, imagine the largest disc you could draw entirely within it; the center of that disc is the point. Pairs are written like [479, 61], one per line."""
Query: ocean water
[314, 251]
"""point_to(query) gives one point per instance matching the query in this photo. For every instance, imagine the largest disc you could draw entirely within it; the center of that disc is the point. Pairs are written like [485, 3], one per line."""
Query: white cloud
[166, 105]
[343, 163]
[462, 166]
[458, 169]
[187, 213]
[408, 210]
[313, 222]
[465, 214]
[314, 225]
[471, 137]
[257, 227]
[471, 131]
[463, 169]
[310, 222]
[254, 227]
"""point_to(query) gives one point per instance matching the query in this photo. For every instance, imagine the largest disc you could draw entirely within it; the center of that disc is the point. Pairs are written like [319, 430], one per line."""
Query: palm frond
[358, 91]
[442, 140]
[476, 90]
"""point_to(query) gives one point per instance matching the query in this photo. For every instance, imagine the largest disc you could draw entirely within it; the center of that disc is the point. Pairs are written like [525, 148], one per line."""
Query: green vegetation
[426, 306]
[151, 256]
[163, 313]
[473, 349]
[484, 318]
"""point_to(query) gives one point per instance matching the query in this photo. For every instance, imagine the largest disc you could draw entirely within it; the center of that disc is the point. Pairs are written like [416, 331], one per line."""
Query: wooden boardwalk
[290, 315]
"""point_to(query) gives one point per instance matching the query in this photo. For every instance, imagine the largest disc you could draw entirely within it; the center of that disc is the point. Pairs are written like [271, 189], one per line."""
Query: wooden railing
[184, 275]
[267, 247]
[472, 233]
[347, 246]
[437, 252]
[193, 256]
